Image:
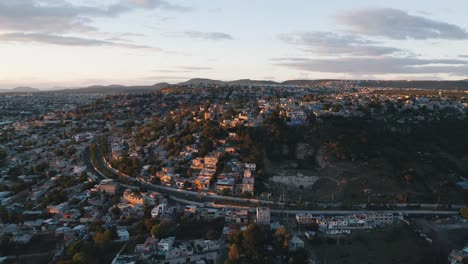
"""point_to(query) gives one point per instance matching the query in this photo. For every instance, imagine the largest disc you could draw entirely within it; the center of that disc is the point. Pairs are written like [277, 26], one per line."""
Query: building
[248, 185]
[190, 209]
[239, 216]
[158, 210]
[165, 244]
[108, 186]
[210, 162]
[225, 184]
[295, 244]
[132, 198]
[263, 215]
[458, 256]
[380, 218]
[123, 234]
[306, 218]
[151, 198]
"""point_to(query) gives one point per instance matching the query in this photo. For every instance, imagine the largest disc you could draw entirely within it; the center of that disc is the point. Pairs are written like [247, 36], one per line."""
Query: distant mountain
[252, 82]
[299, 82]
[162, 85]
[397, 84]
[201, 81]
[118, 89]
[432, 85]
[21, 89]
[115, 89]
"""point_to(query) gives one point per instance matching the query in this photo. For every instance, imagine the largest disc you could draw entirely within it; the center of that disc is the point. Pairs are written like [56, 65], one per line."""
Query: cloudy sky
[68, 43]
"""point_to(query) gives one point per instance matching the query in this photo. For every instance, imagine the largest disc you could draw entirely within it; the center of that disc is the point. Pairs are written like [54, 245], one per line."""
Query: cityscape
[355, 149]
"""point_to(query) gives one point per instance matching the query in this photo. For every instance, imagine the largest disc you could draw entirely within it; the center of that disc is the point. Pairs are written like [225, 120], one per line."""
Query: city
[233, 132]
[175, 175]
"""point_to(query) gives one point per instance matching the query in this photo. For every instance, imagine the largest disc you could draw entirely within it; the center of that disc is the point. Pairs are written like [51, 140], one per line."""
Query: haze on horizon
[70, 43]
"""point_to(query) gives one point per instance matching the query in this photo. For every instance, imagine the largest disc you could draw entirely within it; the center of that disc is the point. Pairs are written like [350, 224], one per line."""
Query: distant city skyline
[74, 43]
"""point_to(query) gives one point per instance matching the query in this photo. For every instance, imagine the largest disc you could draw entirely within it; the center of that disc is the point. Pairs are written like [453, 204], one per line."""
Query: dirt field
[395, 244]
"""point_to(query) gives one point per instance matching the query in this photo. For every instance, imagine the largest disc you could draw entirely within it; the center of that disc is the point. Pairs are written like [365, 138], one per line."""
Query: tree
[251, 241]
[99, 237]
[464, 212]
[108, 235]
[116, 211]
[161, 230]
[81, 258]
[225, 192]
[233, 252]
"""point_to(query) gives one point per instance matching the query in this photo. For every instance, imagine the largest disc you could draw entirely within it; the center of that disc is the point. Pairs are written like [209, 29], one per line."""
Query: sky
[73, 43]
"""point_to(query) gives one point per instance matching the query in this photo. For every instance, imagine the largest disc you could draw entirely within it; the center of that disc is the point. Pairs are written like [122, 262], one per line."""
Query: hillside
[20, 90]
[115, 89]
[399, 84]
[252, 82]
[200, 81]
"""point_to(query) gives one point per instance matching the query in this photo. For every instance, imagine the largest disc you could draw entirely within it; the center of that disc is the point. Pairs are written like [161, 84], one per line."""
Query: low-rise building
[263, 215]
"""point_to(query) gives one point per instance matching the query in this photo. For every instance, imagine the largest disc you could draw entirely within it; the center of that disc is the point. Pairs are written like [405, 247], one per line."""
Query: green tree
[160, 231]
[108, 235]
[81, 258]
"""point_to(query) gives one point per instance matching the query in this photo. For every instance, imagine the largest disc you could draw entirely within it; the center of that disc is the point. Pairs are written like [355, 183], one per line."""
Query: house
[309, 234]
[131, 197]
[123, 234]
[239, 216]
[197, 163]
[108, 186]
[211, 213]
[210, 162]
[166, 177]
[306, 218]
[124, 259]
[337, 232]
[263, 215]
[150, 245]
[248, 185]
[56, 209]
[165, 244]
[151, 198]
[158, 210]
[458, 256]
[296, 244]
[190, 209]
[250, 166]
[225, 184]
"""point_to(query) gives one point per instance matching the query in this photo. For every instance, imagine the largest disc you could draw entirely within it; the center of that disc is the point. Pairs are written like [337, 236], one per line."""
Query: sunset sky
[70, 43]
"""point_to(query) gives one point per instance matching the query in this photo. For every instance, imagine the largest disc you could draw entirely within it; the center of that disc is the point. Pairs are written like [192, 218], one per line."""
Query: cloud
[194, 68]
[398, 24]
[202, 35]
[463, 56]
[59, 16]
[377, 65]
[68, 41]
[329, 43]
[152, 4]
[185, 69]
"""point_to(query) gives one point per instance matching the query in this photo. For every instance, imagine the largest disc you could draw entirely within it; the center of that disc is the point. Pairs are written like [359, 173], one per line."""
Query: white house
[295, 244]
[123, 234]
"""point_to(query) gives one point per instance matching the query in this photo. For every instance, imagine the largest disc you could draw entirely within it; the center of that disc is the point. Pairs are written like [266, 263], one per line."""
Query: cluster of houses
[168, 250]
[337, 225]
[458, 256]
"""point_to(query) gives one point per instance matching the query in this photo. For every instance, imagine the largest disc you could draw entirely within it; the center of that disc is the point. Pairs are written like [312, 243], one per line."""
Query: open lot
[394, 244]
